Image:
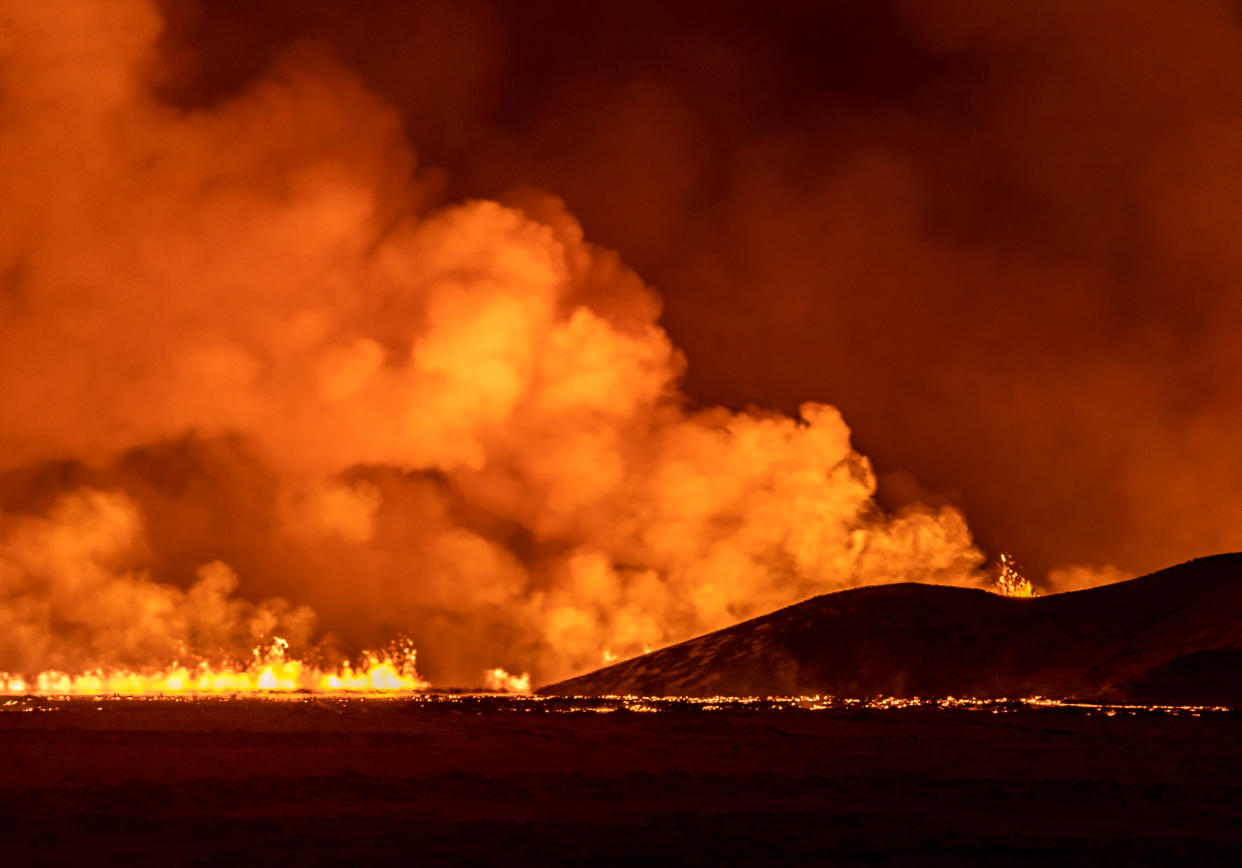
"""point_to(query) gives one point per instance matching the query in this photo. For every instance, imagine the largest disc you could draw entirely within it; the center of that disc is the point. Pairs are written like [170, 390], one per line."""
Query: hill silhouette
[1174, 636]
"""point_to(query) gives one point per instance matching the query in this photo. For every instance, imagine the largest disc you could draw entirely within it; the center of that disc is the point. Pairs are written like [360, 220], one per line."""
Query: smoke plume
[249, 371]
[998, 236]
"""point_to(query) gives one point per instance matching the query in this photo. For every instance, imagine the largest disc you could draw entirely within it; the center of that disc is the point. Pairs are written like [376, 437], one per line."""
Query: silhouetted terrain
[511, 782]
[1172, 636]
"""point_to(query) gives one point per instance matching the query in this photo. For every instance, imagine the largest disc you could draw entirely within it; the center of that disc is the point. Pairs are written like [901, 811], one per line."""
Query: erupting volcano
[264, 384]
[256, 388]
[524, 432]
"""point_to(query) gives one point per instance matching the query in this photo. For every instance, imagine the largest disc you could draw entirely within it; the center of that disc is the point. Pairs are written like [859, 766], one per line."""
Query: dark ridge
[1172, 636]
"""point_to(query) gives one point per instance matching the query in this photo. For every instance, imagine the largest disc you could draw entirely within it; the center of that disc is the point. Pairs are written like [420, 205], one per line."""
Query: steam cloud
[243, 361]
[998, 236]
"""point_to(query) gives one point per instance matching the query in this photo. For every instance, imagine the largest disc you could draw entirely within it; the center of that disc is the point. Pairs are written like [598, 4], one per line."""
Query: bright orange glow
[499, 679]
[271, 672]
[1010, 582]
[313, 373]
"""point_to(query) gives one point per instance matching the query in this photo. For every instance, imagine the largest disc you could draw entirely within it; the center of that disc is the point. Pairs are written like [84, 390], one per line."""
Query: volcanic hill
[1174, 636]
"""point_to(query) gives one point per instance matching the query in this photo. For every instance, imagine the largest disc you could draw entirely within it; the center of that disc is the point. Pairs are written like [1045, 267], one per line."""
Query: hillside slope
[1172, 636]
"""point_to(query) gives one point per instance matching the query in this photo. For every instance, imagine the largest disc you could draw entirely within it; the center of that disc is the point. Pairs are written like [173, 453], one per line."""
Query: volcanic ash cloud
[245, 373]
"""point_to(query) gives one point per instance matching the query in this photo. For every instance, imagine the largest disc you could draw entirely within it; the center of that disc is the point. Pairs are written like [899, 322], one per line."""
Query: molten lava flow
[1009, 581]
[271, 672]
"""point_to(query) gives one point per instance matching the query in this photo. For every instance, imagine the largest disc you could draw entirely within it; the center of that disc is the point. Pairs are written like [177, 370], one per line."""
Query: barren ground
[507, 782]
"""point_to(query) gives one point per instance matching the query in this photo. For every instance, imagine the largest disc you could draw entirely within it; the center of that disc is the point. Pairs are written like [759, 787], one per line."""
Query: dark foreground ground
[472, 781]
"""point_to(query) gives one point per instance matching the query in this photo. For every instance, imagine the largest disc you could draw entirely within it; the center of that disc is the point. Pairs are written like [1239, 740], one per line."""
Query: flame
[1009, 581]
[499, 679]
[271, 672]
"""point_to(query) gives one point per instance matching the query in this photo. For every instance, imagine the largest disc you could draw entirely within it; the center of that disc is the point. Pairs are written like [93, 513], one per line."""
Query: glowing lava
[272, 671]
[1010, 582]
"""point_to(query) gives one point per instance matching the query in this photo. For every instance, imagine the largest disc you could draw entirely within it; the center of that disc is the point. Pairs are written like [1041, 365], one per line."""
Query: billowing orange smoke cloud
[241, 363]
